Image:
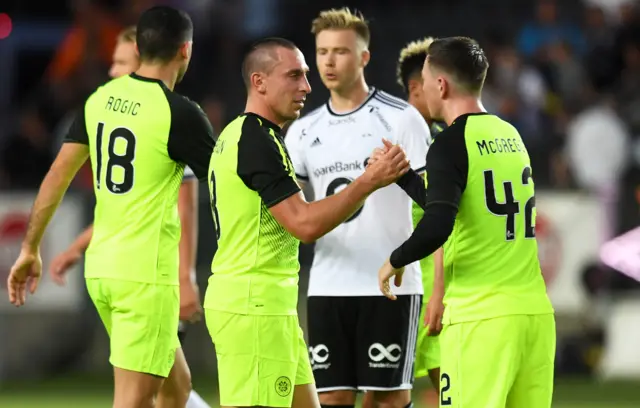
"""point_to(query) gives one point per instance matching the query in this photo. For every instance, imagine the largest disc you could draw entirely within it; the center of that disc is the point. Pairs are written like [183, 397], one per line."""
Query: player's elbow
[308, 235]
[303, 229]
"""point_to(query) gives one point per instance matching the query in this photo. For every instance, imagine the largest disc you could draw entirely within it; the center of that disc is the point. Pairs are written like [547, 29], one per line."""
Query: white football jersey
[329, 150]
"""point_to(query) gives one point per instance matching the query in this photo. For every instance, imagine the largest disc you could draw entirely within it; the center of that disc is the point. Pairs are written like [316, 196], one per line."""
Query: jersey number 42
[123, 161]
[510, 207]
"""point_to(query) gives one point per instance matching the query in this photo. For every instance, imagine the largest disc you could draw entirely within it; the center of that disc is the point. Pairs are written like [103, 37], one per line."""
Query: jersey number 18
[510, 207]
[124, 161]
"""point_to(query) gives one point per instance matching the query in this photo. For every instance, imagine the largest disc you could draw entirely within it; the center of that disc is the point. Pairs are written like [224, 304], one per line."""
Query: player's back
[491, 258]
[136, 182]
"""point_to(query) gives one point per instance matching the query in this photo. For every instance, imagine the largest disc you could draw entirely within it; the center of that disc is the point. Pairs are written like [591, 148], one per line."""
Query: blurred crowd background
[566, 73]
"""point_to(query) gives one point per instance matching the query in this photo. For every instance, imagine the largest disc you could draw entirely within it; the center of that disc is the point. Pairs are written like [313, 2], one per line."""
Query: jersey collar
[147, 79]
[265, 122]
[372, 92]
[466, 115]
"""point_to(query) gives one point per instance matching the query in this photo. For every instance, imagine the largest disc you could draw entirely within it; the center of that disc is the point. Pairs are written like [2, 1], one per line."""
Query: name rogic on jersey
[491, 258]
[329, 151]
[140, 136]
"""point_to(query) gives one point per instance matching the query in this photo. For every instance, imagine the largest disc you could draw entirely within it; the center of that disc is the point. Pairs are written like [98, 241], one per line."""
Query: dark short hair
[463, 59]
[411, 61]
[161, 31]
[257, 56]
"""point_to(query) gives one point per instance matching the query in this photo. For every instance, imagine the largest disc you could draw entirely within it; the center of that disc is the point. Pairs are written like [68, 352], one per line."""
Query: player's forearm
[431, 233]
[47, 201]
[324, 215]
[413, 184]
[188, 210]
[82, 242]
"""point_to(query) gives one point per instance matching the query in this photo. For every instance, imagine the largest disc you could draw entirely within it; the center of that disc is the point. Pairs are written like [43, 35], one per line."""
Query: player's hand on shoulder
[389, 165]
[384, 276]
[61, 265]
[25, 272]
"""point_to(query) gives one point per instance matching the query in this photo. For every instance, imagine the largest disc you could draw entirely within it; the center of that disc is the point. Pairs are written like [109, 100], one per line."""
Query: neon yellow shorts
[505, 362]
[260, 358]
[142, 322]
[427, 348]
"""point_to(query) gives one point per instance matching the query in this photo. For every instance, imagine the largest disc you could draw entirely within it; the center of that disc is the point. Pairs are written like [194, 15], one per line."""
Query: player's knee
[338, 397]
[392, 399]
[175, 391]
[178, 391]
[135, 399]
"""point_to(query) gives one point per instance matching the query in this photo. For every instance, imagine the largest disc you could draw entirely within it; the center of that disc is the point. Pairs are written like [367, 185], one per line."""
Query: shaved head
[263, 57]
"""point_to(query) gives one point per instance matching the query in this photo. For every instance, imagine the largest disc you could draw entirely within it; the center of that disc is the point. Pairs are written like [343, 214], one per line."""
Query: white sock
[196, 401]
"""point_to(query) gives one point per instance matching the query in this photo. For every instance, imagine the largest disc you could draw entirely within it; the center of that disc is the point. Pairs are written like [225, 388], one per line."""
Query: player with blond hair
[329, 148]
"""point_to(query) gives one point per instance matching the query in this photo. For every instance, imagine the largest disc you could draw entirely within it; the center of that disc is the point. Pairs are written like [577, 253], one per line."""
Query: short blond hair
[128, 35]
[411, 60]
[342, 19]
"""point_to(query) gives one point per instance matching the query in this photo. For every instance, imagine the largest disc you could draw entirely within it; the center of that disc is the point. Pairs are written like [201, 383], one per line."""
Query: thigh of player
[480, 360]
[142, 322]
[387, 333]
[331, 329]
[260, 358]
[533, 387]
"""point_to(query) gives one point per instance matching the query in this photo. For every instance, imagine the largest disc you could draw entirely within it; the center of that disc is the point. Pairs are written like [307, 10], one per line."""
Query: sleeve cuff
[396, 258]
[284, 189]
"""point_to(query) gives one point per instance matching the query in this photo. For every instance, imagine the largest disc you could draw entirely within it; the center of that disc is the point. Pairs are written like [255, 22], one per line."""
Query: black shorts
[363, 343]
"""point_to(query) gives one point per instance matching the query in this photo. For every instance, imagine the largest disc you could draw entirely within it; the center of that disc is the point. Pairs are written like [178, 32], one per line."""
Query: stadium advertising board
[64, 227]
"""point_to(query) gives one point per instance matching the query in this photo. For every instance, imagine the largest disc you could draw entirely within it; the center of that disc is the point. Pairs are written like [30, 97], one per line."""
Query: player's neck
[165, 73]
[412, 102]
[256, 106]
[350, 99]
[453, 109]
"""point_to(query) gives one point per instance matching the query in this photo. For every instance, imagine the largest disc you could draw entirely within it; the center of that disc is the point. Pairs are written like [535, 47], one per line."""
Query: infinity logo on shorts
[319, 356]
[392, 353]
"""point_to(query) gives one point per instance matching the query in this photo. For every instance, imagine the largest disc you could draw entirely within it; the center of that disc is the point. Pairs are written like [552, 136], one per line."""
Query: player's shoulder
[389, 103]
[394, 108]
[301, 127]
[478, 122]
[250, 126]
[102, 91]
[181, 104]
[308, 120]
[451, 138]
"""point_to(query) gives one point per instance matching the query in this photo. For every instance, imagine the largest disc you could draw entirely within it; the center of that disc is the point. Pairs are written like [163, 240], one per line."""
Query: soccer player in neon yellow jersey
[139, 135]
[498, 338]
[125, 61]
[260, 217]
[409, 77]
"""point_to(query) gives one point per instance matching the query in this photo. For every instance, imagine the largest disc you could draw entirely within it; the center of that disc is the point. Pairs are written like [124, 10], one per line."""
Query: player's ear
[443, 87]
[258, 82]
[185, 50]
[414, 87]
[135, 45]
[365, 57]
